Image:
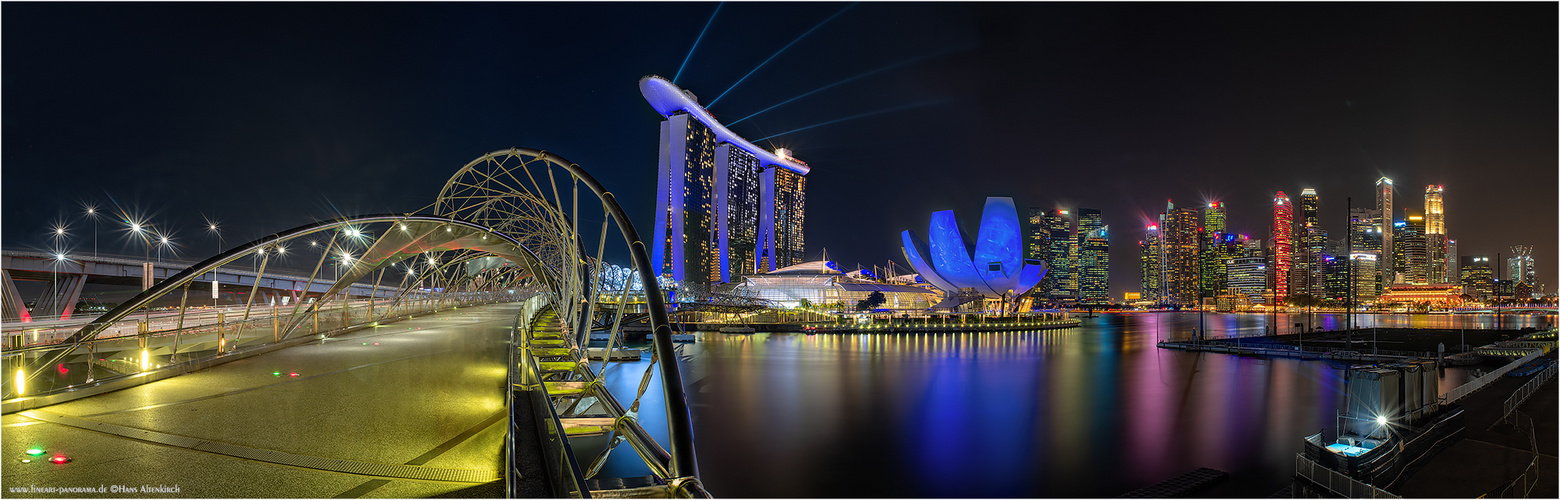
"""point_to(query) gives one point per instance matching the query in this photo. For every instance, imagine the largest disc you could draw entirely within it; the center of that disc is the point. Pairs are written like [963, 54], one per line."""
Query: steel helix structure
[514, 225]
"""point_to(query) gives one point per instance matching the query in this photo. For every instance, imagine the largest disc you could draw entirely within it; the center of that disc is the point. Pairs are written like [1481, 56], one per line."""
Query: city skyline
[1195, 103]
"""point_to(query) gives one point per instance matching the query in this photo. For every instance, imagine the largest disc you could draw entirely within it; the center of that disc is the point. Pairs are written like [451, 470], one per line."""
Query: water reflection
[1092, 411]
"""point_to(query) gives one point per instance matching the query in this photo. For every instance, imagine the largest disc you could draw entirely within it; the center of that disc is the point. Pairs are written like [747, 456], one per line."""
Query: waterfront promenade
[1494, 451]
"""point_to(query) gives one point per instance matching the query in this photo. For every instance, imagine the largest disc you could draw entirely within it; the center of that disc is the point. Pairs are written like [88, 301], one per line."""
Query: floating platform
[1182, 485]
[617, 354]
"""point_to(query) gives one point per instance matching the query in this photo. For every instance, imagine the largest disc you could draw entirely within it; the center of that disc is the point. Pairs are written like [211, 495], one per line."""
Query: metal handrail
[1335, 482]
[1462, 391]
[567, 479]
[1523, 393]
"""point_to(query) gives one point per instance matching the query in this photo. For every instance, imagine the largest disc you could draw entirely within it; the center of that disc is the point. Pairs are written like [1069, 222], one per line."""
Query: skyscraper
[1409, 252]
[783, 211]
[1215, 254]
[1210, 260]
[1058, 254]
[1477, 277]
[1384, 230]
[1283, 245]
[1453, 264]
[1213, 217]
[1093, 267]
[1247, 278]
[1435, 237]
[1179, 230]
[1313, 240]
[1151, 259]
[1364, 255]
[1037, 245]
[712, 189]
[1520, 266]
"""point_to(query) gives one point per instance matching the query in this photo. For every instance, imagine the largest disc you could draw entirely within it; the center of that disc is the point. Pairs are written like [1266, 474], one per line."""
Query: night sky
[269, 116]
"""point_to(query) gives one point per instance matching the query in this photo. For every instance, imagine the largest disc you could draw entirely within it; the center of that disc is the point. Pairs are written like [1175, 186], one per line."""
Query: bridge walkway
[408, 409]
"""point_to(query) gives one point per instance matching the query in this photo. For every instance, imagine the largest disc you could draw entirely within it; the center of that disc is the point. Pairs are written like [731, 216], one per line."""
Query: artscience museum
[996, 270]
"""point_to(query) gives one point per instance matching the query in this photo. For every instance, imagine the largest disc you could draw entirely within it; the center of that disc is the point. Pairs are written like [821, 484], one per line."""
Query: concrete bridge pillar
[61, 296]
[15, 309]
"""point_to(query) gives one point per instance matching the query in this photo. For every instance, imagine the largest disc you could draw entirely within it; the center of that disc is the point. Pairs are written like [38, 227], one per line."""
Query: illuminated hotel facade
[1283, 245]
[724, 207]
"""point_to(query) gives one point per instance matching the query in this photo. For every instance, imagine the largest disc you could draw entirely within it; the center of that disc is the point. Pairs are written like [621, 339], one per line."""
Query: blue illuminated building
[713, 188]
[997, 269]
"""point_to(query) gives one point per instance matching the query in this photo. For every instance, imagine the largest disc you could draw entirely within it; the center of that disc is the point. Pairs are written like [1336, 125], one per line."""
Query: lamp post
[146, 266]
[92, 213]
[58, 236]
[211, 227]
[162, 242]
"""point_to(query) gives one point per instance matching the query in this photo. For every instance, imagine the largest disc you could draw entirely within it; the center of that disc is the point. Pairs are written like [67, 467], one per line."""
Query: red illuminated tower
[1283, 245]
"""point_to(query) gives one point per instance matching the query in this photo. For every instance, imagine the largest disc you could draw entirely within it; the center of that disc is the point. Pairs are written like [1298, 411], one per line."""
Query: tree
[804, 304]
[871, 302]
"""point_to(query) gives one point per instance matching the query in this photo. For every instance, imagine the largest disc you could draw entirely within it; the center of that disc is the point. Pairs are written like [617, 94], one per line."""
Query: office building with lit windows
[1247, 278]
[1437, 268]
[1408, 253]
[1519, 267]
[1151, 261]
[1054, 244]
[1213, 217]
[724, 207]
[1179, 229]
[1477, 278]
[1093, 265]
[1214, 254]
[1364, 255]
[1312, 240]
[1384, 210]
[1453, 264]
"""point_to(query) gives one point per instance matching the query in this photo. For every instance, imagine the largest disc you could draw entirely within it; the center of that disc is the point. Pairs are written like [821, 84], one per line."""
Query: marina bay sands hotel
[724, 206]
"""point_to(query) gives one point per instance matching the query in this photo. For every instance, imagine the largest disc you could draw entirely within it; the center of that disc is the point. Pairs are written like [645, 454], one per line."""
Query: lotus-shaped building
[997, 269]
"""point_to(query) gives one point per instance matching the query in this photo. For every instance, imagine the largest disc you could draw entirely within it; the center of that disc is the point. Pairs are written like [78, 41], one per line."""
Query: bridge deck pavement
[429, 395]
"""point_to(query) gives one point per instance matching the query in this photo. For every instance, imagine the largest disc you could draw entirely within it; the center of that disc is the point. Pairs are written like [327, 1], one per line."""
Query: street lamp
[211, 227]
[92, 213]
[146, 266]
[162, 242]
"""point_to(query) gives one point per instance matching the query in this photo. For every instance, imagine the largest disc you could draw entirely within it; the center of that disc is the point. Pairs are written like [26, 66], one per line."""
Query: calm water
[1093, 411]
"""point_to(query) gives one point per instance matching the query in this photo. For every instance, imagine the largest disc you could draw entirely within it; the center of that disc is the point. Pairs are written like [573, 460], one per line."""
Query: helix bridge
[518, 226]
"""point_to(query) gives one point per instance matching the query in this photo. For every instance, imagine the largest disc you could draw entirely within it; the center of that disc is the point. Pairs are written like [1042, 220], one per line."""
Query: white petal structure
[997, 268]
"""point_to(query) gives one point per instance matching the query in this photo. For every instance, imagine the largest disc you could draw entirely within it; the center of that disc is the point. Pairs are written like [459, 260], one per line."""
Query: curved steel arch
[516, 252]
[476, 200]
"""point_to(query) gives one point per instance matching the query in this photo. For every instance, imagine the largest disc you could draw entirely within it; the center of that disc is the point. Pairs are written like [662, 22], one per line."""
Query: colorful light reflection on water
[1094, 411]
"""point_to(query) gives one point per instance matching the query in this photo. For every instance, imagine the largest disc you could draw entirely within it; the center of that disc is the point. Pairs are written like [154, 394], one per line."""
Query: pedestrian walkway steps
[1181, 485]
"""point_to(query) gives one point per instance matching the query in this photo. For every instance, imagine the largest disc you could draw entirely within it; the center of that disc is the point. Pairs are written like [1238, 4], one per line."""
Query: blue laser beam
[782, 50]
[852, 117]
[848, 80]
[696, 41]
